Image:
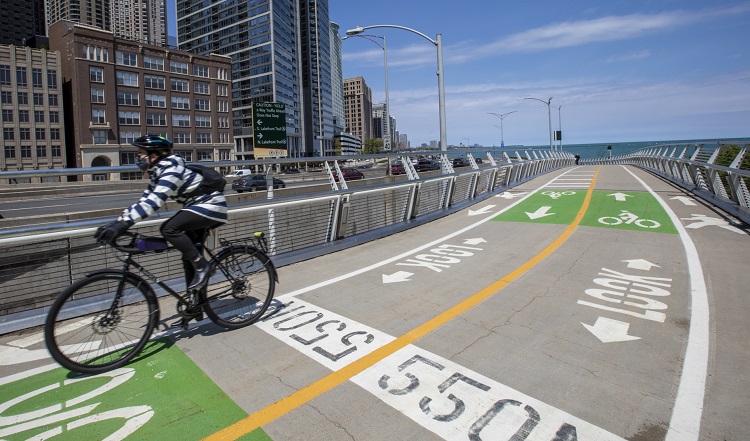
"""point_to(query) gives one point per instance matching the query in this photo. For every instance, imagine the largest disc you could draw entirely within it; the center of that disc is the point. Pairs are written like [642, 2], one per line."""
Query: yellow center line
[311, 391]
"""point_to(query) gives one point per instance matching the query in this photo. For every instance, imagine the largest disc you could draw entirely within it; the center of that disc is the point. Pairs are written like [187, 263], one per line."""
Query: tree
[373, 146]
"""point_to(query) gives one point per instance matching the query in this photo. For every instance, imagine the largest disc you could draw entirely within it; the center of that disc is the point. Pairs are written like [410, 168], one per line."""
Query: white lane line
[685, 424]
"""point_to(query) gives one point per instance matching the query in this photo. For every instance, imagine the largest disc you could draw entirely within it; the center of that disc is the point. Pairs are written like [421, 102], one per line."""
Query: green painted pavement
[163, 395]
[632, 210]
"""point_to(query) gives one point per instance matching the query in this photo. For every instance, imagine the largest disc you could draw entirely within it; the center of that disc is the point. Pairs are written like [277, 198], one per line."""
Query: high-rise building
[32, 124]
[144, 21]
[22, 22]
[337, 80]
[358, 108]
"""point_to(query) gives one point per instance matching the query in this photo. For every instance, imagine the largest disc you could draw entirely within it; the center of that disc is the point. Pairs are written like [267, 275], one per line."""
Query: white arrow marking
[641, 264]
[684, 200]
[260, 122]
[260, 135]
[399, 276]
[540, 212]
[509, 195]
[620, 197]
[483, 210]
[609, 330]
[476, 241]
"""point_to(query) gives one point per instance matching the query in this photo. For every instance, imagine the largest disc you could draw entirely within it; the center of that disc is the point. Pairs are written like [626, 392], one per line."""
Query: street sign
[269, 130]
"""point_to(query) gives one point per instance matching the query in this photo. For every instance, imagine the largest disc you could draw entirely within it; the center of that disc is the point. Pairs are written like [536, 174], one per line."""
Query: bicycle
[100, 322]
[629, 218]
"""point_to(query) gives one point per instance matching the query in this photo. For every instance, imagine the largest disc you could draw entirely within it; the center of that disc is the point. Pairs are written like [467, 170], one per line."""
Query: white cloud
[639, 55]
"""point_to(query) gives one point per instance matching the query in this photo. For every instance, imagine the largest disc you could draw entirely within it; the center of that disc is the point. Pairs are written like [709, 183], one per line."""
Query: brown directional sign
[269, 130]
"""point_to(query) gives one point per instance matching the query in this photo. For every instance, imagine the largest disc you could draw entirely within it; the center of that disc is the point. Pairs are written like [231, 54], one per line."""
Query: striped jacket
[171, 179]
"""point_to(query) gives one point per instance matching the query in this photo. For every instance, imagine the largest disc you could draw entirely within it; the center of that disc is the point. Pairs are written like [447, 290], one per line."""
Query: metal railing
[36, 266]
[718, 173]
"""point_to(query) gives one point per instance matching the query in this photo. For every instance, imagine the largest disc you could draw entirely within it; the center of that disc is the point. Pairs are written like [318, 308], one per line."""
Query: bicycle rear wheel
[101, 322]
[241, 288]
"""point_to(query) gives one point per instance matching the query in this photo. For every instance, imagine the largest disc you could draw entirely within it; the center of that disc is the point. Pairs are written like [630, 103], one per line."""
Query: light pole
[559, 126]
[387, 124]
[467, 142]
[549, 115]
[502, 117]
[438, 42]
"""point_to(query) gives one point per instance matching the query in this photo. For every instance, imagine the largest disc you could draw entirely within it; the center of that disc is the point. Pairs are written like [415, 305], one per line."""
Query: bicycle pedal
[181, 323]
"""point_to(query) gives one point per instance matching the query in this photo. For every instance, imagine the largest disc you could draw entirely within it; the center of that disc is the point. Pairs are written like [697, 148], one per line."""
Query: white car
[239, 173]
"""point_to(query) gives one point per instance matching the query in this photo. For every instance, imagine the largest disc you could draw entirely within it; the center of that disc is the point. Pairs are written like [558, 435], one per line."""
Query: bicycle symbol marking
[629, 218]
[558, 194]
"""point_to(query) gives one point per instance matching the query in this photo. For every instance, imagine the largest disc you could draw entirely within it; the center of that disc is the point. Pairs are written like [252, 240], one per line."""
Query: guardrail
[718, 173]
[34, 267]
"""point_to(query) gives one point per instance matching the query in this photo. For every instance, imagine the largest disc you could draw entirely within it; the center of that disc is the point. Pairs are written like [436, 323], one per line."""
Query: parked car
[478, 160]
[239, 173]
[397, 168]
[460, 162]
[426, 165]
[254, 183]
[349, 174]
[290, 171]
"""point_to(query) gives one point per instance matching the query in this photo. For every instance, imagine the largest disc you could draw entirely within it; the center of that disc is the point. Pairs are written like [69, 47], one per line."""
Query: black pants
[183, 231]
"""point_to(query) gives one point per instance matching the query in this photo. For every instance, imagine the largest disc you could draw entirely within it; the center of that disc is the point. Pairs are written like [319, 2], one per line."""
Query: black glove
[110, 232]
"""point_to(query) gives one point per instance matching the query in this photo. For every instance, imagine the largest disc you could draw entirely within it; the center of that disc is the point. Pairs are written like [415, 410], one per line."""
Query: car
[291, 171]
[254, 183]
[397, 168]
[478, 160]
[460, 162]
[239, 173]
[349, 174]
[426, 165]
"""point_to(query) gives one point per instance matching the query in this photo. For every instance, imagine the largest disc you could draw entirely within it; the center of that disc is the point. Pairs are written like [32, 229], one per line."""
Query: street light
[502, 117]
[387, 126]
[559, 125]
[549, 115]
[438, 42]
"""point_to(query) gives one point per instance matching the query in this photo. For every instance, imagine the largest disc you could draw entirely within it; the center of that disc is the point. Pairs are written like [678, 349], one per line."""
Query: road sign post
[269, 130]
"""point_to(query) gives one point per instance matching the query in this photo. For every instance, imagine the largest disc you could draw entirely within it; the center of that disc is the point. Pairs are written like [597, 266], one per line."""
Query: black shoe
[200, 275]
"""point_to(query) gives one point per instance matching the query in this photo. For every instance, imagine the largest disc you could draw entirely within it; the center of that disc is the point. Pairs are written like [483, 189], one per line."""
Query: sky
[622, 70]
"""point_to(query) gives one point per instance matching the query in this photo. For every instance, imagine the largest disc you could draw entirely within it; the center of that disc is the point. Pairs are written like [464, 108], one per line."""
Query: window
[54, 116]
[97, 95]
[221, 73]
[126, 137]
[181, 120]
[54, 134]
[156, 119]
[41, 134]
[205, 155]
[10, 152]
[23, 98]
[23, 116]
[24, 134]
[8, 115]
[202, 121]
[95, 53]
[131, 118]
[100, 136]
[156, 100]
[36, 77]
[9, 134]
[52, 99]
[39, 116]
[126, 58]
[201, 87]
[6, 97]
[41, 151]
[4, 75]
[38, 99]
[203, 137]
[224, 137]
[223, 122]
[96, 74]
[202, 104]
[127, 158]
[187, 155]
[26, 151]
[181, 137]
[21, 76]
[179, 102]
[52, 79]
[153, 63]
[127, 78]
[222, 90]
[200, 71]
[56, 151]
[223, 106]
[179, 85]
[97, 116]
[154, 82]
[128, 98]
[178, 67]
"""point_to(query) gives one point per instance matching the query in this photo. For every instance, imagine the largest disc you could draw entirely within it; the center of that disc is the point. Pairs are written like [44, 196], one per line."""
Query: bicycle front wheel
[101, 322]
[241, 288]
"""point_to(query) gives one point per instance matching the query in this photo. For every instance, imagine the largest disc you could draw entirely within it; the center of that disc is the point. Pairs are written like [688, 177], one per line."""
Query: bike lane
[529, 360]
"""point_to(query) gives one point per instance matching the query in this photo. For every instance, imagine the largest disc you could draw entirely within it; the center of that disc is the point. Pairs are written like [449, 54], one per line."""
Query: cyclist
[171, 179]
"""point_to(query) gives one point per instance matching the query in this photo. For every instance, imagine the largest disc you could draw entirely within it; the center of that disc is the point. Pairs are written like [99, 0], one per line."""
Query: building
[138, 20]
[337, 80]
[118, 90]
[31, 99]
[358, 108]
[22, 23]
[350, 144]
[378, 124]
